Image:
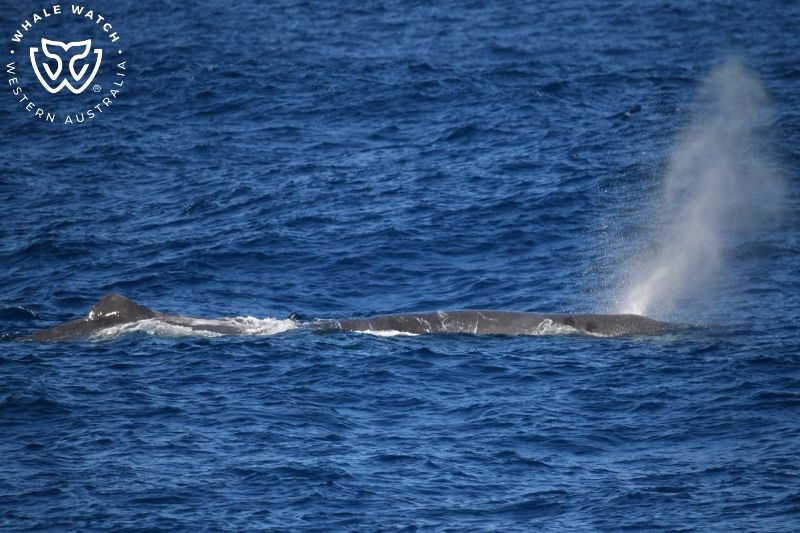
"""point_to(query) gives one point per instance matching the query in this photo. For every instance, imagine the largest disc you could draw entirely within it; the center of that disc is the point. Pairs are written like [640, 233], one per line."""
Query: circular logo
[66, 64]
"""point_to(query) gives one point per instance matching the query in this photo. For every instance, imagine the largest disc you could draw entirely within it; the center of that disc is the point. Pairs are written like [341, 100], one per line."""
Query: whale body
[479, 322]
[116, 310]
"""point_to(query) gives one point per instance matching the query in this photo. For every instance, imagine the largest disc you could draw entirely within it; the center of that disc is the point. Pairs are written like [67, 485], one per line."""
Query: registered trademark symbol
[96, 88]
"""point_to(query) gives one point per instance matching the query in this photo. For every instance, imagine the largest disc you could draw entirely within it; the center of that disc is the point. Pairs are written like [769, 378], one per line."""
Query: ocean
[330, 160]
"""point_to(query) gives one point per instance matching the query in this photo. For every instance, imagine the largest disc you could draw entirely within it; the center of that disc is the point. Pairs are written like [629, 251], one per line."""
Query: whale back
[614, 325]
[110, 310]
[114, 309]
[486, 322]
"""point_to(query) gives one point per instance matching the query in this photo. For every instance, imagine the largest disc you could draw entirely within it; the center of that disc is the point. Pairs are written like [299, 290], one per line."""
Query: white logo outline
[54, 75]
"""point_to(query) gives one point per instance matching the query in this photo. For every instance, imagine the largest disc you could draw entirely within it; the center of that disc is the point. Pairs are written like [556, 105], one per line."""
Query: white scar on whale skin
[719, 185]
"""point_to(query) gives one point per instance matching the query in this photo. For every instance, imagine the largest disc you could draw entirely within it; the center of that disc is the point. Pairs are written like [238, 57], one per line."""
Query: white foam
[386, 333]
[545, 327]
[151, 326]
[170, 328]
[262, 326]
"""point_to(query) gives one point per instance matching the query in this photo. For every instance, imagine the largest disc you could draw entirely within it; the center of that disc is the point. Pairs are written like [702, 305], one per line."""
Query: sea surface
[340, 159]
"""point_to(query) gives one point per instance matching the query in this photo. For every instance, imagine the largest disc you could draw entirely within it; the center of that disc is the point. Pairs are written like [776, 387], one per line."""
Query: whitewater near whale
[119, 314]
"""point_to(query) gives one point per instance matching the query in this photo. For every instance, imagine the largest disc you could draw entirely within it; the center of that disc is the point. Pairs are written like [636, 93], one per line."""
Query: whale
[117, 310]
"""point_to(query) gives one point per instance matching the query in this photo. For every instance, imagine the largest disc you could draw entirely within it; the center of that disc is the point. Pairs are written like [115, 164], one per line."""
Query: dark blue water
[339, 159]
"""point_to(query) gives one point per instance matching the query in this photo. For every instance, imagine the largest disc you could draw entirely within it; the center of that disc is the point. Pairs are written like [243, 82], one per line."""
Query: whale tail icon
[79, 68]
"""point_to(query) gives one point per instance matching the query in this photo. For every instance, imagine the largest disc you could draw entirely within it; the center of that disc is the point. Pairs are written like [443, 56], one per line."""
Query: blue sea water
[342, 159]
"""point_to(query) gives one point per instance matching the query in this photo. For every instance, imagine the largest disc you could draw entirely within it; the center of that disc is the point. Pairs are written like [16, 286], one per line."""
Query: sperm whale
[115, 310]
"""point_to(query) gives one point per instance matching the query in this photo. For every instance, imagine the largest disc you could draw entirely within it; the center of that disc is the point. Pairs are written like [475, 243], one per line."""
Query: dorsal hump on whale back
[110, 310]
[118, 309]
